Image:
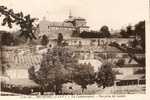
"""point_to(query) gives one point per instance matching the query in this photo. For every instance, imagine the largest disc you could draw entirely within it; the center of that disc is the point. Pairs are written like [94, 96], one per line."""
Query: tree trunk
[42, 91]
[82, 90]
[104, 86]
[58, 89]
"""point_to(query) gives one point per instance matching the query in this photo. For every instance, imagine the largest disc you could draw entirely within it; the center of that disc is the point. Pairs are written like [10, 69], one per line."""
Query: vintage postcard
[95, 49]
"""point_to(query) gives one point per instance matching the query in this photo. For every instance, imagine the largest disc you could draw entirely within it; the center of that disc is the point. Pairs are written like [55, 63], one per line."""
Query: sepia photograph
[72, 47]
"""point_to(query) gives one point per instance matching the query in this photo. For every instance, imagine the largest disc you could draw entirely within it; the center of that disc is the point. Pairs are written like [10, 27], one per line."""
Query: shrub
[84, 75]
[120, 62]
[105, 76]
[140, 71]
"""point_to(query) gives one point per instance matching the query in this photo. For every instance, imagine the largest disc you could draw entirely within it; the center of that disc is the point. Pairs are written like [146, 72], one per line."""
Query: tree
[10, 18]
[123, 33]
[104, 31]
[129, 30]
[139, 71]
[5, 66]
[56, 68]
[134, 43]
[26, 23]
[31, 72]
[90, 34]
[7, 39]
[120, 62]
[59, 39]
[105, 75]
[126, 33]
[140, 32]
[44, 40]
[84, 75]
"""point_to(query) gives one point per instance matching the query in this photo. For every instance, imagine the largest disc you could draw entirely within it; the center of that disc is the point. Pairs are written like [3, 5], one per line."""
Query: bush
[140, 71]
[105, 76]
[120, 62]
[44, 40]
[84, 75]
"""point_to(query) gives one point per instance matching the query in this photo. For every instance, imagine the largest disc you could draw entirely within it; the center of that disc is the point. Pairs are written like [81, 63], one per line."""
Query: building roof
[61, 24]
[75, 18]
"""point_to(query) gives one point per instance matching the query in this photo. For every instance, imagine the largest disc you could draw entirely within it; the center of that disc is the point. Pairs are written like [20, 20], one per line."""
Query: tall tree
[105, 75]
[140, 32]
[84, 75]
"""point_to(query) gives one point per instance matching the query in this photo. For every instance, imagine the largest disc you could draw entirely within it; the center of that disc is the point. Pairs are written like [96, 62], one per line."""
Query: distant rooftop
[60, 24]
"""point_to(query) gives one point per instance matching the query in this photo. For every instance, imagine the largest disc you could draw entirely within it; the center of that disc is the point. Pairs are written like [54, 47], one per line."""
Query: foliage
[90, 34]
[126, 33]
[129, 30]
[31, 72]
[123, 33]
[4, 68]
[84, 75]
[104, 31]
[56, 68]
[26, 23]
[120, 62]
[59, 39]
[134, 43]
[44, 40]
[135, 46]
[140, 71]
[105, 76]
[60, 66]
[7, 39]
[76, 32]
[131, 53]
[140, 31]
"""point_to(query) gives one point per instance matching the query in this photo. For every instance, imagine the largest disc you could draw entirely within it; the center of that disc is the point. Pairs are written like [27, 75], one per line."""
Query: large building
[67, 27]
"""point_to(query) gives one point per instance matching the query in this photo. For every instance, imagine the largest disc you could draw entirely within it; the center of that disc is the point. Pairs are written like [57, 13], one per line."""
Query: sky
[116, 14]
